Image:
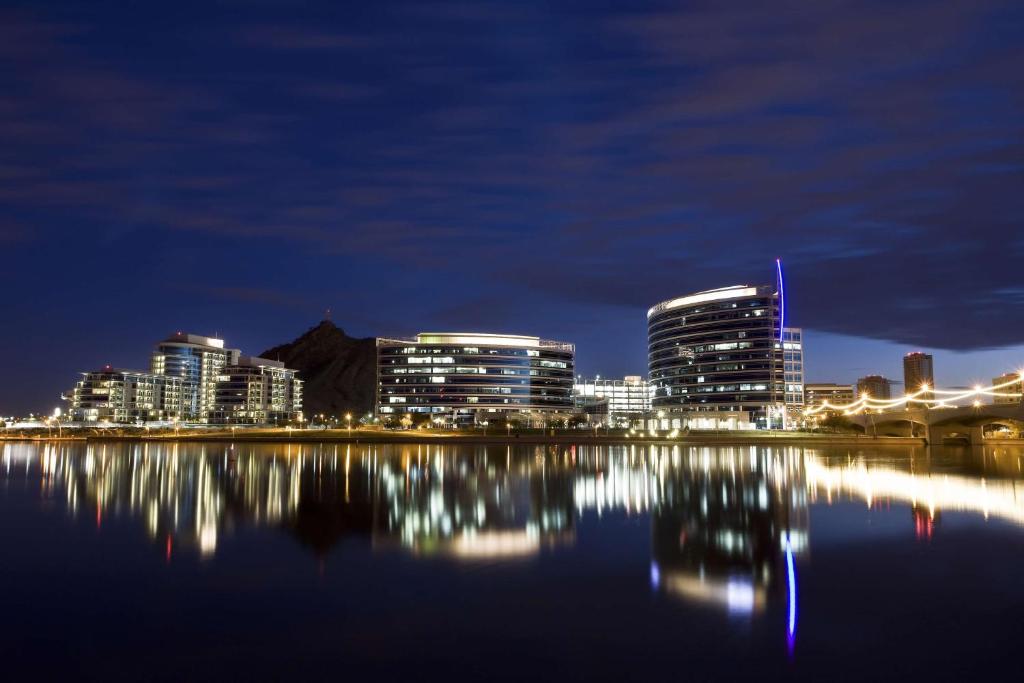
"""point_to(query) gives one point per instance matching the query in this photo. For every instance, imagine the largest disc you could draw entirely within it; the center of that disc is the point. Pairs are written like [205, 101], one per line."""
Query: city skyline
[854, 358]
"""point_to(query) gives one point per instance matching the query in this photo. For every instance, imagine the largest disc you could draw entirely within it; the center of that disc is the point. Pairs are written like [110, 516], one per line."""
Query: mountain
[339, 371]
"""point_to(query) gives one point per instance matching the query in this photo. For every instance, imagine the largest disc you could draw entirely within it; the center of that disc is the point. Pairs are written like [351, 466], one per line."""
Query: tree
[576, 420]
[837, 423]
[420, 419]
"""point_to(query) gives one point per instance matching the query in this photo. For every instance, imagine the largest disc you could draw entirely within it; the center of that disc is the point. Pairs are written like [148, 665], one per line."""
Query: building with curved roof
[717, 352]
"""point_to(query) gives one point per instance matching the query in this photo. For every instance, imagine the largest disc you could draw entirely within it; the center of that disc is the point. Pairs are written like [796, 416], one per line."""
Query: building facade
[125, 396]
[198, 360]
[816, 395]
[918, 373]
[793, 358]
[874, 386]
[1017, 387]
[257, 391]
[720, 351]
[619, 399]
[466, 377]
[193, 379]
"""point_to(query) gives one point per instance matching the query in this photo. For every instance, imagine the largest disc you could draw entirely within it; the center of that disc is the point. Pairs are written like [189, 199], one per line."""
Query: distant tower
[875, 386]
[917, 372]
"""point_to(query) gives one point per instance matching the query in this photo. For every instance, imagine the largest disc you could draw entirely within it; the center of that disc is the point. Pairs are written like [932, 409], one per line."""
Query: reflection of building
[468, 376]
[439, 506]
[874, 386]
[924, 522]
[723, 537]
[918, 373]
[257, 391]
[720, 516]
[618, 399]
[1016, 388]
[110, 395]
[718, 350]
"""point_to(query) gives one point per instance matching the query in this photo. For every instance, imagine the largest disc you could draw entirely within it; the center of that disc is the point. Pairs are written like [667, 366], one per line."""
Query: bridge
[964, 423]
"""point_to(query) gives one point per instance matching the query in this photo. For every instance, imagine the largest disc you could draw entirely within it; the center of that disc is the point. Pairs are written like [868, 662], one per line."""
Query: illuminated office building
[198, 360]
[917, 373]
[793, 355]
[1016, 388]
[257, 391]
[834, 394]
[618, 399]
[466, 377]
[125, 396]
[874, 386]
[720, 351]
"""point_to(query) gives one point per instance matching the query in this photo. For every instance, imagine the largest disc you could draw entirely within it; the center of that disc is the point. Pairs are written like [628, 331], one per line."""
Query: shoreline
[531, 438]
[420, 436]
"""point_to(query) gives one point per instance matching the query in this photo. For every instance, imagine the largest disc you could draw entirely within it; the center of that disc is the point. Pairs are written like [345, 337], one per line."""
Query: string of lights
[865, 402]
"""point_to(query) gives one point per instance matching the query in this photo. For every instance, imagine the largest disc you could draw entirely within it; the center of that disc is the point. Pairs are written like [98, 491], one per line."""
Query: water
[265, 562]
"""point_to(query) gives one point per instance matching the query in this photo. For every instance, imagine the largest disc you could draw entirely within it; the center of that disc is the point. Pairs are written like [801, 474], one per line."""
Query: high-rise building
[793, 356]
[819, 393]
[619, 399]
[257, 391]
[125, 396]
[918, 373]
[1017, 387]
[874, 386]
[720, 350]
[198, 360]
[467, 376]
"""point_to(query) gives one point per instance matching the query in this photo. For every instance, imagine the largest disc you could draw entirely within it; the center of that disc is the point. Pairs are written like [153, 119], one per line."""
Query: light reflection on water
[729, 526]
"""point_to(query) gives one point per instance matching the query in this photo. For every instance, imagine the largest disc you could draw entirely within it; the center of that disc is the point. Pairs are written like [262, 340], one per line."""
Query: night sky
[527, 167]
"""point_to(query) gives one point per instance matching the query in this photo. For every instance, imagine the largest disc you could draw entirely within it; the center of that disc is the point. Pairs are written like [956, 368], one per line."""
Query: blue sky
[552, 168]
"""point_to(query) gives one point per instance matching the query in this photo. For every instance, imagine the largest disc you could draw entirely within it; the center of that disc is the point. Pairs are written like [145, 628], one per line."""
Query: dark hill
[339, 371]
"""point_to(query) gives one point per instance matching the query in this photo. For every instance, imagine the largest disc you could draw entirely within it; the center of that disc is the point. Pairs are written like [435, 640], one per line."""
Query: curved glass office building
[719, 350]
[463, 376]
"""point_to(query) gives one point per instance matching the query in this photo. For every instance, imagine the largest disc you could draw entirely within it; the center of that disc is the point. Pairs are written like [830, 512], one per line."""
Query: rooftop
[731, 292]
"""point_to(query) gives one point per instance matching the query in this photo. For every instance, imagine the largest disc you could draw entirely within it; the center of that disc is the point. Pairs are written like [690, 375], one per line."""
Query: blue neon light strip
[791, 575]
[782, 299]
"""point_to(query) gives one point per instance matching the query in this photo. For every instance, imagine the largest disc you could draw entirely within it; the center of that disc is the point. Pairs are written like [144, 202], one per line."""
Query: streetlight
[348, 419]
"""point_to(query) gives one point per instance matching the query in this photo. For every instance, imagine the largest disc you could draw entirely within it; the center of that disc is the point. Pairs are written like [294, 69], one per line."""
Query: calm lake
[135, 561]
